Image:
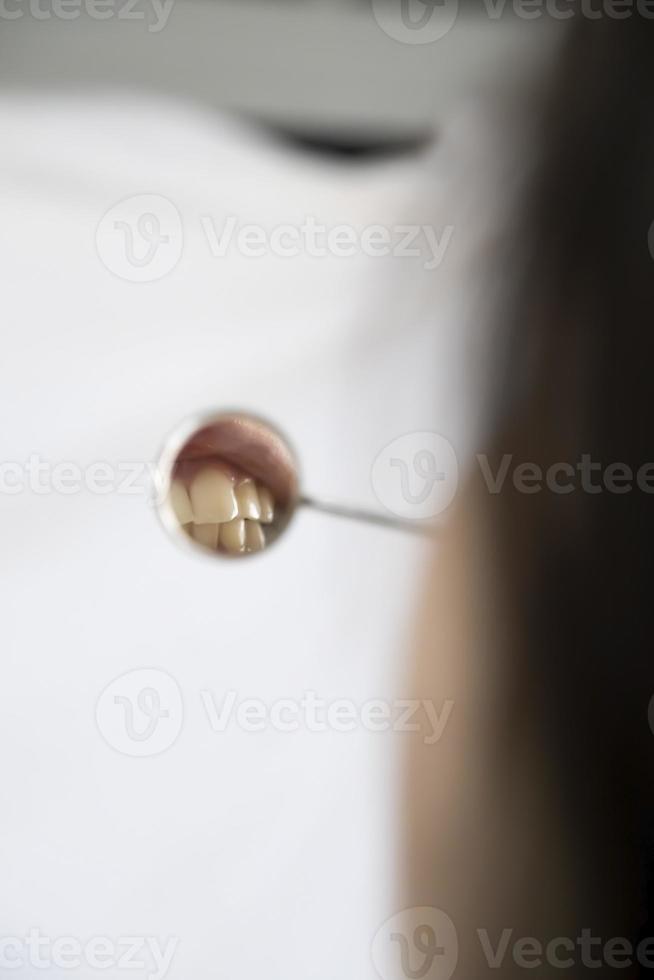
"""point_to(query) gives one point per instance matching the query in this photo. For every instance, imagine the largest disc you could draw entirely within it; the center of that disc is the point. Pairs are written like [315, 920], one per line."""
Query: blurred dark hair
[580, 566]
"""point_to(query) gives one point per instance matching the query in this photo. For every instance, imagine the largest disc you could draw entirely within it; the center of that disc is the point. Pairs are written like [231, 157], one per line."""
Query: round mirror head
[230, 484]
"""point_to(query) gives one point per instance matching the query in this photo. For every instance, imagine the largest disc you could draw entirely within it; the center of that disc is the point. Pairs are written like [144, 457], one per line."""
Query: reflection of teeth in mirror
[267, 505]
[181, 502]
[212, 497]
[213, 494]
[255, 539]
[206, 535]
[232, 536]
[247, 500]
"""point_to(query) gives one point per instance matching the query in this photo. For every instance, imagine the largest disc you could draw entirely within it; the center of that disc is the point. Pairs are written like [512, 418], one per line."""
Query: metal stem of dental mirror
[232, 486]
[352, 513]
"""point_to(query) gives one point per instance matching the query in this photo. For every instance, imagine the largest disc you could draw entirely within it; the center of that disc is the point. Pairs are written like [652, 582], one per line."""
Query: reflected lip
[248, 446]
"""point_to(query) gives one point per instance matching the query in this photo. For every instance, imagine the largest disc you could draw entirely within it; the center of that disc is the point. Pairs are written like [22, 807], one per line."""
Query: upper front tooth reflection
[179, 501]
[247, 499]
[213, 500]
[267, 505]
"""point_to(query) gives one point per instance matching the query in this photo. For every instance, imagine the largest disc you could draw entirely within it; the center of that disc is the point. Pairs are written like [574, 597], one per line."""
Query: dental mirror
[231, 485]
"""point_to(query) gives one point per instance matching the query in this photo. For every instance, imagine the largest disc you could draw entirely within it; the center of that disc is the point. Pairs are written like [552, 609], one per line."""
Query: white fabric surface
[267, 855]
